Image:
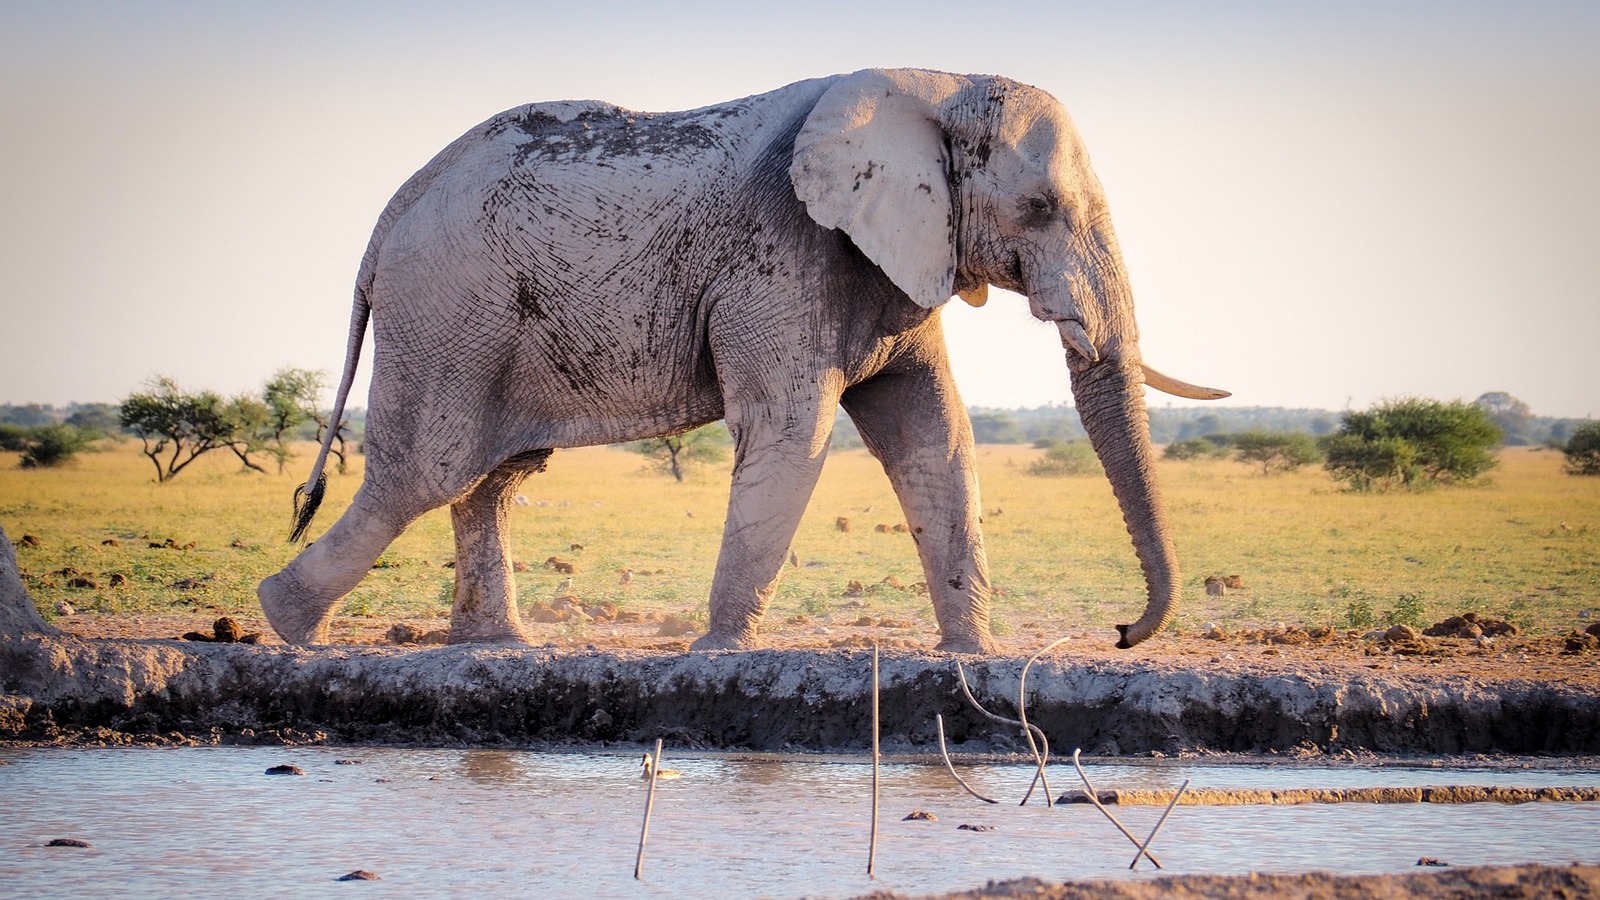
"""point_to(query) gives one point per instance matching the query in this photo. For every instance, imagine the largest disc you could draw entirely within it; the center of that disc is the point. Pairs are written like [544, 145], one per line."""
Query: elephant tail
[308, 496]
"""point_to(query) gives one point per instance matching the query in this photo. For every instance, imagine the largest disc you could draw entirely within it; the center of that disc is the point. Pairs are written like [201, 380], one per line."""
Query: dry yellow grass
[1525, 545]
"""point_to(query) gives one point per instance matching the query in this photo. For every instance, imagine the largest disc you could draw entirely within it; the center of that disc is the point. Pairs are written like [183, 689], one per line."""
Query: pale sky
[1321, 205]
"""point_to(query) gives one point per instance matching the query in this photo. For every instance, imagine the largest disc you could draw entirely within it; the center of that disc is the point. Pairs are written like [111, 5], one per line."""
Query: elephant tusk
[1169, 385]
[975, 297]
[1074, 337]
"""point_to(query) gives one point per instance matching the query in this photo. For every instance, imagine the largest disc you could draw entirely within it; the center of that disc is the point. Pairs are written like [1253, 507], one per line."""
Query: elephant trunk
[1110, 399]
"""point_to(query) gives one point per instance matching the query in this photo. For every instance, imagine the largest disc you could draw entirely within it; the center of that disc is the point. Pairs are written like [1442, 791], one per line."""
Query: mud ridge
[1298, 796]
[54, 684]
[1466, 883]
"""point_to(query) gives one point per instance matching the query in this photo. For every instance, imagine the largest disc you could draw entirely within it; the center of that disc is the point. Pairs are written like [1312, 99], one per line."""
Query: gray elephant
[570, 274]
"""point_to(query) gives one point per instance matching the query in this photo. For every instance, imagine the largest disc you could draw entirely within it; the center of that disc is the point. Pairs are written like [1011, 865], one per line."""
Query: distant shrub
[1276, 451]
[1067, 458]
[53, 445]
[1411, 443]
[14, 438]
[1583, 450]
[1191, 449]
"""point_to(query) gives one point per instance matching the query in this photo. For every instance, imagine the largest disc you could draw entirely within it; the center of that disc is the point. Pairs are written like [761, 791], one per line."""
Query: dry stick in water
[939, 720]
[1022, 716]
[649, 804]
[1144, 847]
[872, 842]
[1095, 799]
[1031, 729]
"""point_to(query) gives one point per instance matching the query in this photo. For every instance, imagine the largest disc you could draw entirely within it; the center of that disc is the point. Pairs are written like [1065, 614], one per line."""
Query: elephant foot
[727, 640]
[286, 609]
[982, 645]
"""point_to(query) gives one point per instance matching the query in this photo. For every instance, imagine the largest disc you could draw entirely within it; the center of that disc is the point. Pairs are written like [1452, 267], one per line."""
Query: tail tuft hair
[305, 506]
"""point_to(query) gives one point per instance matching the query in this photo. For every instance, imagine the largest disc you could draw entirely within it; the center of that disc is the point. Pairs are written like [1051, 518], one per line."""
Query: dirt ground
[1570, 659]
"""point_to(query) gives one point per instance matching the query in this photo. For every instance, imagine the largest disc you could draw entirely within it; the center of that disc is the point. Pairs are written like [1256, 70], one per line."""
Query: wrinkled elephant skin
[572, 273]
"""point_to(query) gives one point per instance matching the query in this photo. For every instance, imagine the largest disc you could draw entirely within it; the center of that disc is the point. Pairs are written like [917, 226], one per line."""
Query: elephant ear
[871, 161]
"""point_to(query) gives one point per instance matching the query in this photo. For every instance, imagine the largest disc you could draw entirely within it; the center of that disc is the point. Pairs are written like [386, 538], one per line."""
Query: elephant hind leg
[299, 601]
[485, 606]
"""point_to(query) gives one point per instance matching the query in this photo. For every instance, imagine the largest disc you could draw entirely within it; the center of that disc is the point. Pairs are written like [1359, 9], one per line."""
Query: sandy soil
[1569, 660]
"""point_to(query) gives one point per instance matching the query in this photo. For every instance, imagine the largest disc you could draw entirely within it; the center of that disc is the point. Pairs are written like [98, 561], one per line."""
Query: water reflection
[502, 767]
[497, 822]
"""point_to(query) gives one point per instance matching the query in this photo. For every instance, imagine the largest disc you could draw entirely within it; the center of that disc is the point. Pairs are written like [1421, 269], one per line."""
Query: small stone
[347, 762]
[1430, 861]
[286, 770]
[966, 827]
[920, 815]
[63, 608]
[360, 875]
[1594, 629]
[68, 842]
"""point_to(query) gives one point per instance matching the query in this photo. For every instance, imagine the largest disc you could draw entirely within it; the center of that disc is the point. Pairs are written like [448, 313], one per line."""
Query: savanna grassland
[1524, 545]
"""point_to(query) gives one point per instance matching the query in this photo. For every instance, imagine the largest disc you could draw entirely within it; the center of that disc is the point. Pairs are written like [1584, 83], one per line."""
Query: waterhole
[507, 823]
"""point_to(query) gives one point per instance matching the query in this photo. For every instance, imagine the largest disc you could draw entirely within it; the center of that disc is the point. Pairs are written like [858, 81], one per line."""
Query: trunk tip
[1122, 638]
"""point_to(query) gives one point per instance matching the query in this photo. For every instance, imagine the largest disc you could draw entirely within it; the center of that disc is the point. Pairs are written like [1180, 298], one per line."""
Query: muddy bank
[1463, 884]
[1299, 796]
[56, 686]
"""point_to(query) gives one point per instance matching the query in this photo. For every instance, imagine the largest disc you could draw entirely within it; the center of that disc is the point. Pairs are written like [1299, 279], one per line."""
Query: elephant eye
[1040, 204]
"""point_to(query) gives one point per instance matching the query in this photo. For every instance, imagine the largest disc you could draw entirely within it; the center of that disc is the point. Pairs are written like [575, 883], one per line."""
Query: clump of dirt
[1470, 626]
[225, 630]
[406, 633]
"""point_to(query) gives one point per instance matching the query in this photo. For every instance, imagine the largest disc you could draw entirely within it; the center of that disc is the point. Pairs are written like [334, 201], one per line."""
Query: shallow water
[499, 822]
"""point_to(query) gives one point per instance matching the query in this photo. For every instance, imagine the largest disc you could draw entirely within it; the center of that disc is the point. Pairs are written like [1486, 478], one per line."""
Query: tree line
[176, 426]
[1407, 443]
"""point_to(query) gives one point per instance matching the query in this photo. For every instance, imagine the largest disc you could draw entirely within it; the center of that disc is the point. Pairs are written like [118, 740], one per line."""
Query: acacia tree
[1412, 443]
[1276, 451]
[676, 453]
[169, 420]
[291, 397]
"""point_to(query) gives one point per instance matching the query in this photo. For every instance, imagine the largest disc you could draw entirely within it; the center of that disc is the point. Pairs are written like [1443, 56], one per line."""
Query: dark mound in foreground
[1572, 882]
[58, 686]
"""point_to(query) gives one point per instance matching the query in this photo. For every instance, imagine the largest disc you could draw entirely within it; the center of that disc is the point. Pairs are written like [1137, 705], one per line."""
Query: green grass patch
[1526, 545]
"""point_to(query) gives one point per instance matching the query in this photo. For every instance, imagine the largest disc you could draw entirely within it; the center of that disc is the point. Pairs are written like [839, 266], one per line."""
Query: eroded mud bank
[55, 685]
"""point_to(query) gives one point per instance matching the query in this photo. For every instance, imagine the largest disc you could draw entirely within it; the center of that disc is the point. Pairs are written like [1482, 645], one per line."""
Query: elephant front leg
[772, 481]
[914, 424]
[485, 607]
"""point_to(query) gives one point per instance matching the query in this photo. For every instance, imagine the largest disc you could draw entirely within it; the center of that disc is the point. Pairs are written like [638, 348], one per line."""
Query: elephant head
[953, 183]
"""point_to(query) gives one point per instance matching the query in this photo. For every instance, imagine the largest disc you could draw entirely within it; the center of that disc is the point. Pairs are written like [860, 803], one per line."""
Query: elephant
[573, 273]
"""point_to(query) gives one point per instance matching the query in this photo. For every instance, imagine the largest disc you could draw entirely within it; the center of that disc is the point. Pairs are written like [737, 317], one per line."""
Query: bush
[1191, 449]
[1276, 451]
[1583, 450]
[1067, 458]
[52, 445]
[14, 438]
[1411, 443]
